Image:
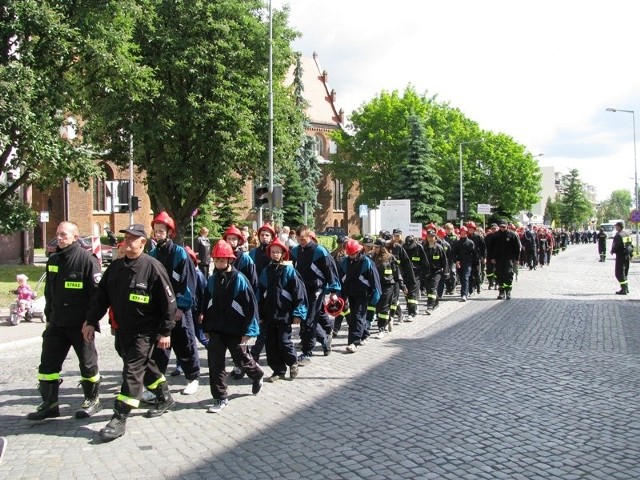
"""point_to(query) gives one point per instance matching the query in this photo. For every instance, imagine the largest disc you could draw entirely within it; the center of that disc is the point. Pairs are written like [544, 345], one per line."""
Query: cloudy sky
[540, 71]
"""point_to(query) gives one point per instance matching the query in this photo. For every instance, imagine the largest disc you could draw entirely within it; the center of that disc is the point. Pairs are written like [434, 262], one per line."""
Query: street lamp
[635, 162]
[461, 177]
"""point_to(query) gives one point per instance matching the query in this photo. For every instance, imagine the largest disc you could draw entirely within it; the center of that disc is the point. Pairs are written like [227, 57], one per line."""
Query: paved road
[544, 386]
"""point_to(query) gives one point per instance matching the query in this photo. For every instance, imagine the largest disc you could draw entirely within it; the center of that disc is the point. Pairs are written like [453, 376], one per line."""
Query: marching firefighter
[505, 250]
[406, 270]
[389, 274]
[183, 280]
[477, 268]
[138, 289]
[437, 265]
[72, 277]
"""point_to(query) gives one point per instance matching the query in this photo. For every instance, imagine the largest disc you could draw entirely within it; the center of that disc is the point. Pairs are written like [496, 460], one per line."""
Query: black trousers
[280, 349]
[56, 343]
[139, 367]
[219, 343]
[184, 343]
[622, 268]
[504, 274]
[316, 325]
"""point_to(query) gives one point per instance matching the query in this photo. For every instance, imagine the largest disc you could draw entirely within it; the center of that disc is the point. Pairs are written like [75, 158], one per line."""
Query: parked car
[337, 231]
[86, 242]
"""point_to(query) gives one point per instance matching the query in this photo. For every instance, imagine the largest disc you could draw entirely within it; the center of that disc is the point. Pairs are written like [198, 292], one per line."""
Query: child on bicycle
[25, 295]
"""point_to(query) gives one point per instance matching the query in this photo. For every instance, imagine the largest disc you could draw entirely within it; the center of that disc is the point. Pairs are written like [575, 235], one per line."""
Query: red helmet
[464, 229]
[222, 250]
[192, 254]
[233, 230]
[165, 219]
[471, 225]
[431, 226]
[424, 233]
[277, 243]
[352, 246]
[441, 233]
[268, 228]
[334, 307]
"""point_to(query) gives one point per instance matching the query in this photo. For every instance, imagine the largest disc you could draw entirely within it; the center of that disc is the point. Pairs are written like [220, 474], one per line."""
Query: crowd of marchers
[231, 298]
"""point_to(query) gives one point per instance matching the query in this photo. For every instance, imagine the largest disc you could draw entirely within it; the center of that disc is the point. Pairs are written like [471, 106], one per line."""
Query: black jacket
[464, 251]
[140, 294]
[73, 274]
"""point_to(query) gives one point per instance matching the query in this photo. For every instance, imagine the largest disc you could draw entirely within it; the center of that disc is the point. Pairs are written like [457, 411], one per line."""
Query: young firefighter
[282, 302]
[389, 273]
[230, 318]
[245, 265]
[361, 287]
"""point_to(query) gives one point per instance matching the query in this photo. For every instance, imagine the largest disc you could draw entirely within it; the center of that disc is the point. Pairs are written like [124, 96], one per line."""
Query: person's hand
[201, 318]
[244, 340]
[179, 314]
[296, 320]
[493, 261]
[333, 297]
[88, 332]
[164, 342]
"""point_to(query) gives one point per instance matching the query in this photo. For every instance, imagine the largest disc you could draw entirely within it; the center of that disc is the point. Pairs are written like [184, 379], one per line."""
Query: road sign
[484, 208]
[363, 211]
[44, 216]
[635, 216]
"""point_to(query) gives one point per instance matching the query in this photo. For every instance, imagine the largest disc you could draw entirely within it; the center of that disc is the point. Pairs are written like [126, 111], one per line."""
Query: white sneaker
[352, 348]
[191, 388]
[380, 335]
[148, 396]
[218, 405]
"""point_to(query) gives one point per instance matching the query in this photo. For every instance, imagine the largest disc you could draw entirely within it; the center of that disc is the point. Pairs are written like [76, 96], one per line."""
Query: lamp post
[461, 178]
[635, 162]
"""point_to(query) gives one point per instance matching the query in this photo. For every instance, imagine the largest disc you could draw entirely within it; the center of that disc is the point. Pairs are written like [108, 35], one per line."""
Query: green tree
[552, 212]
[206, 129]
[59, 62]
[418, 180]
[618, 205]
[496, 169]
[574, 208]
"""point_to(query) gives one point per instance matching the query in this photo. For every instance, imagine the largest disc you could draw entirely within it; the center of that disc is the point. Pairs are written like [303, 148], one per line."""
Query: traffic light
[262, 197]
[277, 196]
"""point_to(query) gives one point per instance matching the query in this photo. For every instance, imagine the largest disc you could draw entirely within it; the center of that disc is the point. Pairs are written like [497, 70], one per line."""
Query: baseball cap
[136, 229]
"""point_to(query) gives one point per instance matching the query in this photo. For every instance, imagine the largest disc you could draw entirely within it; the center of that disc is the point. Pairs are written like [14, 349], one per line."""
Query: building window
[99, 194]
[338, 194]
[320, 146]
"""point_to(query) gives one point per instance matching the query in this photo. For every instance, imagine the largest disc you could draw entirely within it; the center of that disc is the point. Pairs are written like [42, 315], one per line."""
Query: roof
[321, 98]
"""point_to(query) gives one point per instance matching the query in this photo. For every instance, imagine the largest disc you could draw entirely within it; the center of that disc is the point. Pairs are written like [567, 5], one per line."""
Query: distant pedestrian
[602, 244]
[622, 248]
[203, 251]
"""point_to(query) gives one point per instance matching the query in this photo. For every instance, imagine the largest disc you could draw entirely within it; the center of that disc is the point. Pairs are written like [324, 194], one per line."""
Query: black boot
[117, 426]
[500, 294]
[49, 406]
[91, 402]
[165, 401]
[508, 294]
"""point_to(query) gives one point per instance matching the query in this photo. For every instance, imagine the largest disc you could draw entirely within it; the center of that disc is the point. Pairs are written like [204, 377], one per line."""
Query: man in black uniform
[602, 244]
[138, 289]
[72, 276]
[505, 249]
[622, 248]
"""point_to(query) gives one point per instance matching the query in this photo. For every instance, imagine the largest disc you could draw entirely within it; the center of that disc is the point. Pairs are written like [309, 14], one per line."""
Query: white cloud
[541, 71]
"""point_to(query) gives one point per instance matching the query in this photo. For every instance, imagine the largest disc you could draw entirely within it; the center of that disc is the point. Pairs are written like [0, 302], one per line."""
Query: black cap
[620, 224]
[397, 231]
[136, 229]
[494, 225]
[502, 222]
[380, 243]
[431, 232]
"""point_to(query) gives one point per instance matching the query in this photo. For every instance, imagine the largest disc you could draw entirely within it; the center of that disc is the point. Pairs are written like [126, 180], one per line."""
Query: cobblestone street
[544, 386]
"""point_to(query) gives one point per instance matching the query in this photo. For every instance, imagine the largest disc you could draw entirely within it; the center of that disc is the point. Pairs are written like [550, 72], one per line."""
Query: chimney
[325, 76]
[341, 115]
[333, 95]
